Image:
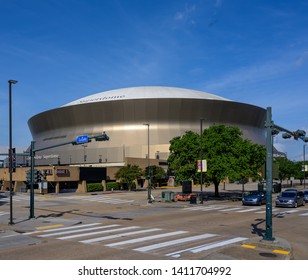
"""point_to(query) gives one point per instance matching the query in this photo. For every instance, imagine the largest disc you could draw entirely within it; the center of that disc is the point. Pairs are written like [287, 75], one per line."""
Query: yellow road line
[283, 252]
[249, 246]
[51, 226]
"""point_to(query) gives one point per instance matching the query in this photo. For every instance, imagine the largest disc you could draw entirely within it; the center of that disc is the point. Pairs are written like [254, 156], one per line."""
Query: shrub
[94, 187]
[113, 185]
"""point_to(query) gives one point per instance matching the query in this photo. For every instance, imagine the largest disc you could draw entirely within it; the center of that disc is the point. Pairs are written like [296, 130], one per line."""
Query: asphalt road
[125, 226]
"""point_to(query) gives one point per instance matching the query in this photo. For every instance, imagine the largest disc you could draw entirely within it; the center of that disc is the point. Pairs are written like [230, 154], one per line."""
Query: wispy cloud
[186, 16]
[261, 71]
[302, 59]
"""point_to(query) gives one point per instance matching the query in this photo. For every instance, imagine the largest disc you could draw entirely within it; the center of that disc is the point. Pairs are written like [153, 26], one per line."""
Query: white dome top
[148, 92]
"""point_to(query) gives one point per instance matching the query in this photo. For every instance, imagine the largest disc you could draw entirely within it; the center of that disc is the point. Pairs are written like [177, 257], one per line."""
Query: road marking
[3, 213]
[206, 247]
[174, 242]
[249, 246]
[51, 226]
[147, 238]
[119, 235]
[305, 214]
[230, 209]
[58, 229]
[288, 212]
[247, 210]
[282, 252]
[81, 230]
[89, 233]
[100, 198]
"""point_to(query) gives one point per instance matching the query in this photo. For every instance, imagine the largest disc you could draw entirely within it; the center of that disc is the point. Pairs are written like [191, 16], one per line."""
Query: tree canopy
[227, 153]
[128, 174]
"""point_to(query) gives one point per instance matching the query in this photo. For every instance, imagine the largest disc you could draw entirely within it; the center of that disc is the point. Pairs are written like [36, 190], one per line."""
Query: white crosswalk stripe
[99, 198]
[206, 247]
[2, 213]
[118, 235]
[147, 238]
[22, 197]
[157, 241]
[241, 209]
[173, 242]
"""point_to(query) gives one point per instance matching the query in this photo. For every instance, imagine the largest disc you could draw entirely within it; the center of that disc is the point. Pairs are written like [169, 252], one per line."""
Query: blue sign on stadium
[82, 139]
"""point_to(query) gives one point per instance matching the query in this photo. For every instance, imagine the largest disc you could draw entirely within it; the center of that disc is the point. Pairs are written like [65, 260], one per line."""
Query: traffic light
[286, 135]
[28, 176]
[103, 137]
[299, 134]
[37, 176]
[13, 160]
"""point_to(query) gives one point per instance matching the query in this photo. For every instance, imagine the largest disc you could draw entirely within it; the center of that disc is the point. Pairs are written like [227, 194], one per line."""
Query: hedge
[94, 187]
[112, 186]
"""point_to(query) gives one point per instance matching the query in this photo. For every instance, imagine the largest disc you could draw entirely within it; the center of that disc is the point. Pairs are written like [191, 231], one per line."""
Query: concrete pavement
[252, 249]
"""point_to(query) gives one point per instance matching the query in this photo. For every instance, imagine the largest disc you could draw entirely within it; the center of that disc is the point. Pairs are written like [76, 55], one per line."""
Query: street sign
[82, 139]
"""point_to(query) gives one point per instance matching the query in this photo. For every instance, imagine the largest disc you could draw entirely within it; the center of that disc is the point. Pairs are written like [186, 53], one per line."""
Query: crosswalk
[89, 198]
[99, 198]
[2, 213]
[22, 197]
[244, 209]
[157, 241]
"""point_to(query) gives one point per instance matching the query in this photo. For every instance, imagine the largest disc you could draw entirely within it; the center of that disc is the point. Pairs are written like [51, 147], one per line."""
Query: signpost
[81, 139]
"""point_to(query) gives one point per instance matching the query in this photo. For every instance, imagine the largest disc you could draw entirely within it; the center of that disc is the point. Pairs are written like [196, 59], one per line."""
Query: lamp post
[273, 129]
[10, 150]
[201, 164]
[84, 154]
[269, 124]
[148, 163]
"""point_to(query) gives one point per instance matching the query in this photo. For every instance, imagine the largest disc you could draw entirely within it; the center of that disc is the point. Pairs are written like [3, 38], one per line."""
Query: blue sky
[248, 51]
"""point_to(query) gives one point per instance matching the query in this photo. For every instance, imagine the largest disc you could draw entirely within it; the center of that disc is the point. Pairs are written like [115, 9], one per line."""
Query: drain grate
[268, 255]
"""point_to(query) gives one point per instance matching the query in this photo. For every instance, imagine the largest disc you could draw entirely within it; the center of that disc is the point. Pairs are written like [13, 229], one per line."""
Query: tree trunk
[216, 184]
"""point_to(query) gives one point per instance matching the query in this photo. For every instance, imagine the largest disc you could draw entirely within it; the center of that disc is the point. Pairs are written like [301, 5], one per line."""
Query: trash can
[277, 187]
[260, 187]
[167, 196]
[186, 186]
[193, 199]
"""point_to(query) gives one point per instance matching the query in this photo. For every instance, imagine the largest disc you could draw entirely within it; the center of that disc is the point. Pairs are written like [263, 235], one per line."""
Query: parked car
[254, 198]
[290, 198]
[306, 195]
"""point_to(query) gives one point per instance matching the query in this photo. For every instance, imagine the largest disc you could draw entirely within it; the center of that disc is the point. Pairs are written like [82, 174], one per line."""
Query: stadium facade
[123, 115]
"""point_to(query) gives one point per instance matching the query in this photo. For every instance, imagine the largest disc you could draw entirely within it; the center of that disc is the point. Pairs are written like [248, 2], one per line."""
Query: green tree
[156, 173]
[128, 174]
[226, 151]
[286, 168]
[183, 155]
[299, 173]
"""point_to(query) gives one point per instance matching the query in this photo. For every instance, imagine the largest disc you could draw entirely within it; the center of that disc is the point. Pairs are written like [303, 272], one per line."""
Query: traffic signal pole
[99, 137]
[32, 154]
[269, 174]
[273, 129]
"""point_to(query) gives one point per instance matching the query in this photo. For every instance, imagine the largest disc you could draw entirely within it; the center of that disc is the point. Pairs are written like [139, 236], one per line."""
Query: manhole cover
[268, 255]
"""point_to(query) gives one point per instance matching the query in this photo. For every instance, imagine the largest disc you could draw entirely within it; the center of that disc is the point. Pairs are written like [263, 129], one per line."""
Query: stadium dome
[123, 113]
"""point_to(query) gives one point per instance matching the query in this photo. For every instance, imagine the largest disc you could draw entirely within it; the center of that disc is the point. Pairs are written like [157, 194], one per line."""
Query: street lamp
[149, 175]
[201, 164]
[10, 150]
[84, 154]
[304, 167]
[273, 129]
